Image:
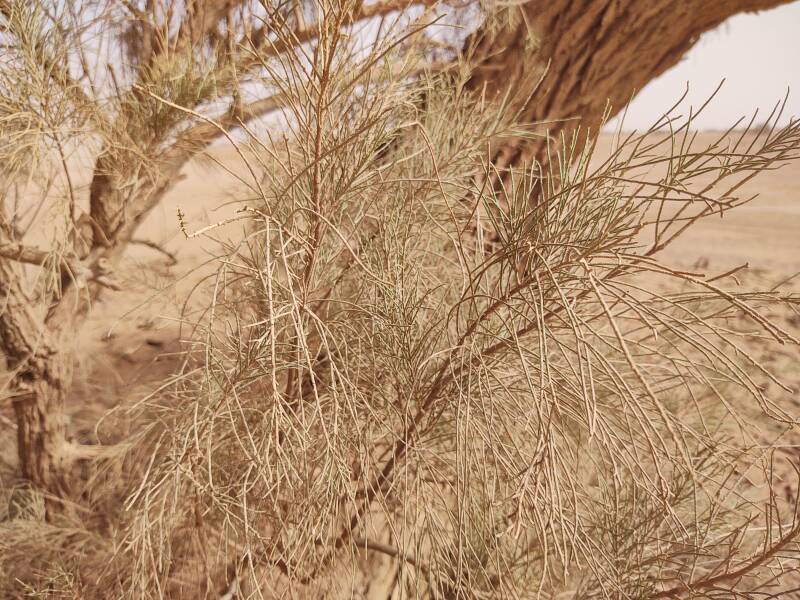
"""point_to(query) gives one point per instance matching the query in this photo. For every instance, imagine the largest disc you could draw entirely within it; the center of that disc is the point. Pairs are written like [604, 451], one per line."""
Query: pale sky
[758, 55]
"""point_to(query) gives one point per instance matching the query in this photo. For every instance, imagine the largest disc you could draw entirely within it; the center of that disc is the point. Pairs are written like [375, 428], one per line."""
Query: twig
[711, 582]
[153, 246]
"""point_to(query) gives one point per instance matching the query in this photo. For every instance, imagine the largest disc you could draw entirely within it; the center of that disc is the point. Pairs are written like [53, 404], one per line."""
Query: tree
[364, 347]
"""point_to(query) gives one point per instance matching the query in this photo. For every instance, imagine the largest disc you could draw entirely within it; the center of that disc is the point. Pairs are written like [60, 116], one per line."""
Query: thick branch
[24, 254]
[97, 271]
[588, 54]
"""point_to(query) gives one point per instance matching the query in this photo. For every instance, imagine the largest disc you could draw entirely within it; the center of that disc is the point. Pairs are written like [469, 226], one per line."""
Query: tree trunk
[42, 445]
[585, 55]
[40, 378]
[31, 342]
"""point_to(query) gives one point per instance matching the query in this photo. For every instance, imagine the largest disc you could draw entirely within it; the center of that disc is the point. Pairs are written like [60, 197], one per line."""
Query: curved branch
[591, 57]
[742, 571]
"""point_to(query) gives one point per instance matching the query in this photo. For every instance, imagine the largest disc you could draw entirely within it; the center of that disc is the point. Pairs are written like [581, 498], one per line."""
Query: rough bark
[38, 387]
[586, 55]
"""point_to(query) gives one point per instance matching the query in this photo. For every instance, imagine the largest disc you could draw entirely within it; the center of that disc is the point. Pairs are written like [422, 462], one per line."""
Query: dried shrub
[422, 374]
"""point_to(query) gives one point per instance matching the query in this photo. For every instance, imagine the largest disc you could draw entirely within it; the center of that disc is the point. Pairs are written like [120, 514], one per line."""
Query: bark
[42, 446]
[585, 55]
[38, 387]
[106, 204]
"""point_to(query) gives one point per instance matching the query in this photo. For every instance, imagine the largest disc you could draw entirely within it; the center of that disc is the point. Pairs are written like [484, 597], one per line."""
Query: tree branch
[25, 254]
[738, 573]
[97, 271]
[264, 48]
[588, 55]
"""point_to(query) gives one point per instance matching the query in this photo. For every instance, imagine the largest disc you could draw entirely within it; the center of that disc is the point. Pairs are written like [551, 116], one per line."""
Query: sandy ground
[764, 235]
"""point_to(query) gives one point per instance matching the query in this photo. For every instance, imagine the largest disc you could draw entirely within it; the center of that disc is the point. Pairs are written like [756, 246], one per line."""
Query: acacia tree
[364, 347]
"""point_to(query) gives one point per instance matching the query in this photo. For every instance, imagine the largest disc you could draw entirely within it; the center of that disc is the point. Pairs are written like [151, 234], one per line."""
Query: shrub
[422, 374]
